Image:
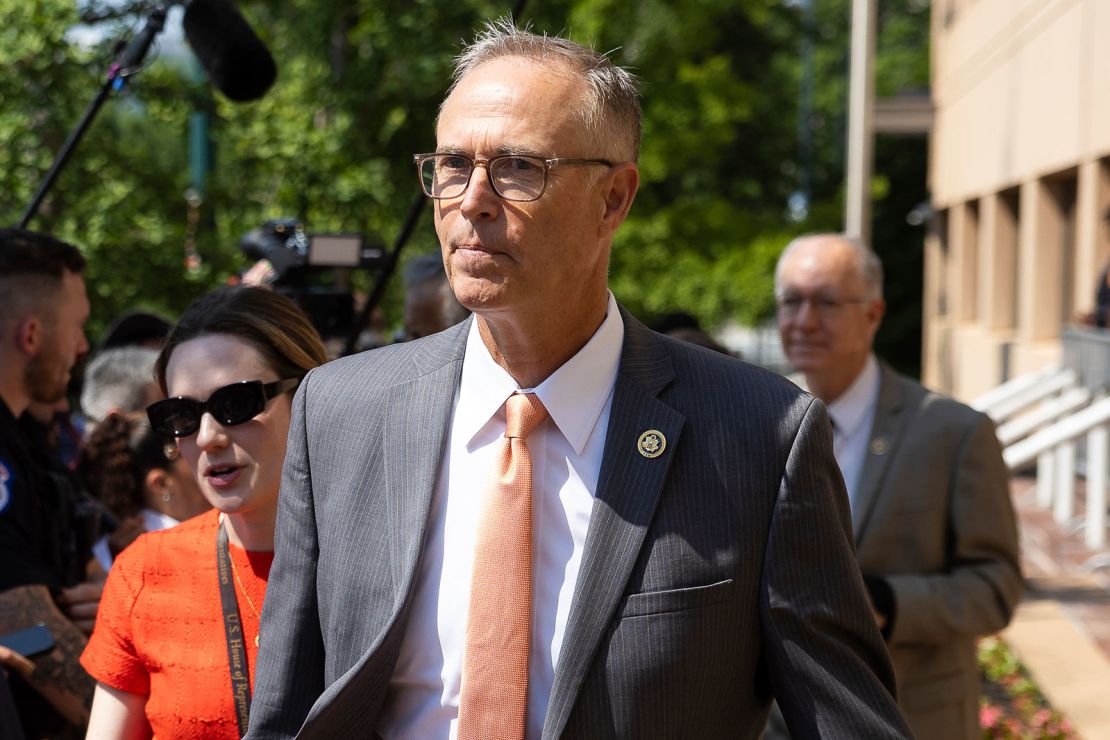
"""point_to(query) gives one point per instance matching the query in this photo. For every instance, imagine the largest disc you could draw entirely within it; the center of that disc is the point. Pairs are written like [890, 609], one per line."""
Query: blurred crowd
[101, 444]
[79, 485]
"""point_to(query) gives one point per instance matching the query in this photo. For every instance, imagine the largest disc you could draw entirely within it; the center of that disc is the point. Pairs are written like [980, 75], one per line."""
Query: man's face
[63, 341]
[532, 257]
[826, 322]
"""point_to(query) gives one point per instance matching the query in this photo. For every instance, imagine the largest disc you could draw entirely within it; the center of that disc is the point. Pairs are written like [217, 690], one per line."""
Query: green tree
[119, 197]
[358, 88]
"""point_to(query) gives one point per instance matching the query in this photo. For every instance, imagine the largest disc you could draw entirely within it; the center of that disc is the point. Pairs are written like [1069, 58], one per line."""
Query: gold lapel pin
[878, 446]
[651, 443]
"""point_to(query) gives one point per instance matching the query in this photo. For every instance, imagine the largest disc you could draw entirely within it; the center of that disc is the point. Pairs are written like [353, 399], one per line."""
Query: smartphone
[29, 642]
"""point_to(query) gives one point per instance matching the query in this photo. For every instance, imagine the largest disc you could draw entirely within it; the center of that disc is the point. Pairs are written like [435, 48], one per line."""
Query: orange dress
[159, 630]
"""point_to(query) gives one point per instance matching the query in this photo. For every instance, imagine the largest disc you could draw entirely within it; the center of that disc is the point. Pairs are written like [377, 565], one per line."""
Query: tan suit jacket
[933, 517]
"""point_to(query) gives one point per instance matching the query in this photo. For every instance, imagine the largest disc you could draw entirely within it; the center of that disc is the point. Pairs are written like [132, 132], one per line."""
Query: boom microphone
[236, 60]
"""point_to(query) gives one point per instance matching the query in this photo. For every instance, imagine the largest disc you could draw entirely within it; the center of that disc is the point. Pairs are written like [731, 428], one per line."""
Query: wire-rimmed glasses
[827, 307]
[516, 177]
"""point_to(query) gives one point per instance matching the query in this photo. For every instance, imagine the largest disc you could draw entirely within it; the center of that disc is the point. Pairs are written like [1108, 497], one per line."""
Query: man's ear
[620, 190]
[875, 312]
[29, 335]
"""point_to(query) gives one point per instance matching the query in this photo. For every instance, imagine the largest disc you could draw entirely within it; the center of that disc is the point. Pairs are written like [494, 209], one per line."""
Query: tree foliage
[357, 93]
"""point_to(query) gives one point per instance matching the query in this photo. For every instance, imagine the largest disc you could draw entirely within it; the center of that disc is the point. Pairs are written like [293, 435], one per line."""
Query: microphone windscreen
[236, 60]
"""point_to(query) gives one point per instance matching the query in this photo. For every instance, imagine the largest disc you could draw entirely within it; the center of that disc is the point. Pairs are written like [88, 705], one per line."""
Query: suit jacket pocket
[679, 599]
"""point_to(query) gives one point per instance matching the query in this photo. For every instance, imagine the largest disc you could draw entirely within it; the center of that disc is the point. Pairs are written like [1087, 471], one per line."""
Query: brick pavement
[1062, 629]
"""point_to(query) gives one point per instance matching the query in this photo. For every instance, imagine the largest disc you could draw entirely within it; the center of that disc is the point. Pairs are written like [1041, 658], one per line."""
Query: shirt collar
[155, 520]
[851, 408]
[574, 395]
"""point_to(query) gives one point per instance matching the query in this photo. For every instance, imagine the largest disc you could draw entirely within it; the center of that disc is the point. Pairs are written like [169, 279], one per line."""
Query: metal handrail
[1047, 413]
[1068, 429]
[1047, 387]
[1086, 351]
[1059, 419]
[1054, 450]
[1011, 388]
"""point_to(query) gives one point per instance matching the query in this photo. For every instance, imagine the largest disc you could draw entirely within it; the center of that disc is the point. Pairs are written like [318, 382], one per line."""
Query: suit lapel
[628, 489]
[415, 433]
[414, 430]
[886, 430]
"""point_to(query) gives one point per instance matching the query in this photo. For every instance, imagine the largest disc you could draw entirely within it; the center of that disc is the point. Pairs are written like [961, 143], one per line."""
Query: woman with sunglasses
[176, 637]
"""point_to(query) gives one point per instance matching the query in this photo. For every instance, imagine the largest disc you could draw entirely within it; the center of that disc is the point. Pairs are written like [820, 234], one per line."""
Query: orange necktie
[493, 701]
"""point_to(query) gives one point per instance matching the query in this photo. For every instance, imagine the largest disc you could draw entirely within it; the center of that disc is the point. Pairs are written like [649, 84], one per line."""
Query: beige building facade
[1020, 180]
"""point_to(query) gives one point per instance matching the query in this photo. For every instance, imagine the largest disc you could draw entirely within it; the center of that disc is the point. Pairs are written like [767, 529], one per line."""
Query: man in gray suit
[691, 555]
[934, 526]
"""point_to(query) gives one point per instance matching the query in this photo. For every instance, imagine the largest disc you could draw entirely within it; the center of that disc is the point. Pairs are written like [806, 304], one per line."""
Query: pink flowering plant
[1012, 707]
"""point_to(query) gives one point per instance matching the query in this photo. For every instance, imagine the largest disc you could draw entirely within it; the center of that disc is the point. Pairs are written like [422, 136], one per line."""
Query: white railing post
[1098, 448]
[1046, 478]
[1064, 505]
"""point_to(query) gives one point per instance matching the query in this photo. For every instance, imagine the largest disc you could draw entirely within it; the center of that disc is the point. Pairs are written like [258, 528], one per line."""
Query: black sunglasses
[230, 405]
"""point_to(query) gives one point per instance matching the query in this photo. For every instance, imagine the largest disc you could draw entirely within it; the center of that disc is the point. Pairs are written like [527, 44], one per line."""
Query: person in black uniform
[46, 531]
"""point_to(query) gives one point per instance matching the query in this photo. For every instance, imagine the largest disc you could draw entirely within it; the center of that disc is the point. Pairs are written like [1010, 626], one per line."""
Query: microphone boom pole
[122, 68]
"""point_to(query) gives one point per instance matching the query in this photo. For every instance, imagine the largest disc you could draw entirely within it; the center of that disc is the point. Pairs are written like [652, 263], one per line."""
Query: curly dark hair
[115, 460]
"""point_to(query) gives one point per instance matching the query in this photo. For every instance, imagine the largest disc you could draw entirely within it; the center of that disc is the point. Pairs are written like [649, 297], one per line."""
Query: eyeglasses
[230, 405]
[516, 177]
[790, 305]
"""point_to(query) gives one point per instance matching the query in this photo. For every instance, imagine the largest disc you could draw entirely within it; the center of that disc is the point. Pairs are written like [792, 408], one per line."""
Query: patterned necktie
[493, 701]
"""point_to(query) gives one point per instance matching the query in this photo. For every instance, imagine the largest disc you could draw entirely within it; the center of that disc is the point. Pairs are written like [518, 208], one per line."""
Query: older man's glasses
[516, 177]
[790, 304]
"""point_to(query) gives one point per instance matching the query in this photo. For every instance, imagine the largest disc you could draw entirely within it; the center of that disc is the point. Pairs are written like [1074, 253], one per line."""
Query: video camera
[313, 269]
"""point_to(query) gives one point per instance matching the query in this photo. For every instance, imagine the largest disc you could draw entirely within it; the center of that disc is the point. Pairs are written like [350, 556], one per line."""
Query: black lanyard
[233, 627]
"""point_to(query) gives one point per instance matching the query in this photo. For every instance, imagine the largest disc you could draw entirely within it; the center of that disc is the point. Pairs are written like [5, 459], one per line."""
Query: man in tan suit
[933, 523]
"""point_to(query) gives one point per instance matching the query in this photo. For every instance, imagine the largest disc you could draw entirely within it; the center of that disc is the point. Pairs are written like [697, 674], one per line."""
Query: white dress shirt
[566, 452]
[852, 414]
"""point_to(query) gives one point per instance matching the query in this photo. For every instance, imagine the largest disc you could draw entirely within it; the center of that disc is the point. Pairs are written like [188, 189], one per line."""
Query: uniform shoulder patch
[5, 485]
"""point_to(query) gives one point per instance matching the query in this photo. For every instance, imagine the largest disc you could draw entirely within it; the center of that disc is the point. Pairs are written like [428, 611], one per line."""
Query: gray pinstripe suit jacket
[713, 577]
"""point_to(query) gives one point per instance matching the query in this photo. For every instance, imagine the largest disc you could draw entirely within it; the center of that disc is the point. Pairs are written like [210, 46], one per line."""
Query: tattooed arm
[57, 675]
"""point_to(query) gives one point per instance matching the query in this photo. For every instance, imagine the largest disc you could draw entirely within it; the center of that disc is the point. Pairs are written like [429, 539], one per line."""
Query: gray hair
[610, 111]
[868, 264]
[117, 380]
